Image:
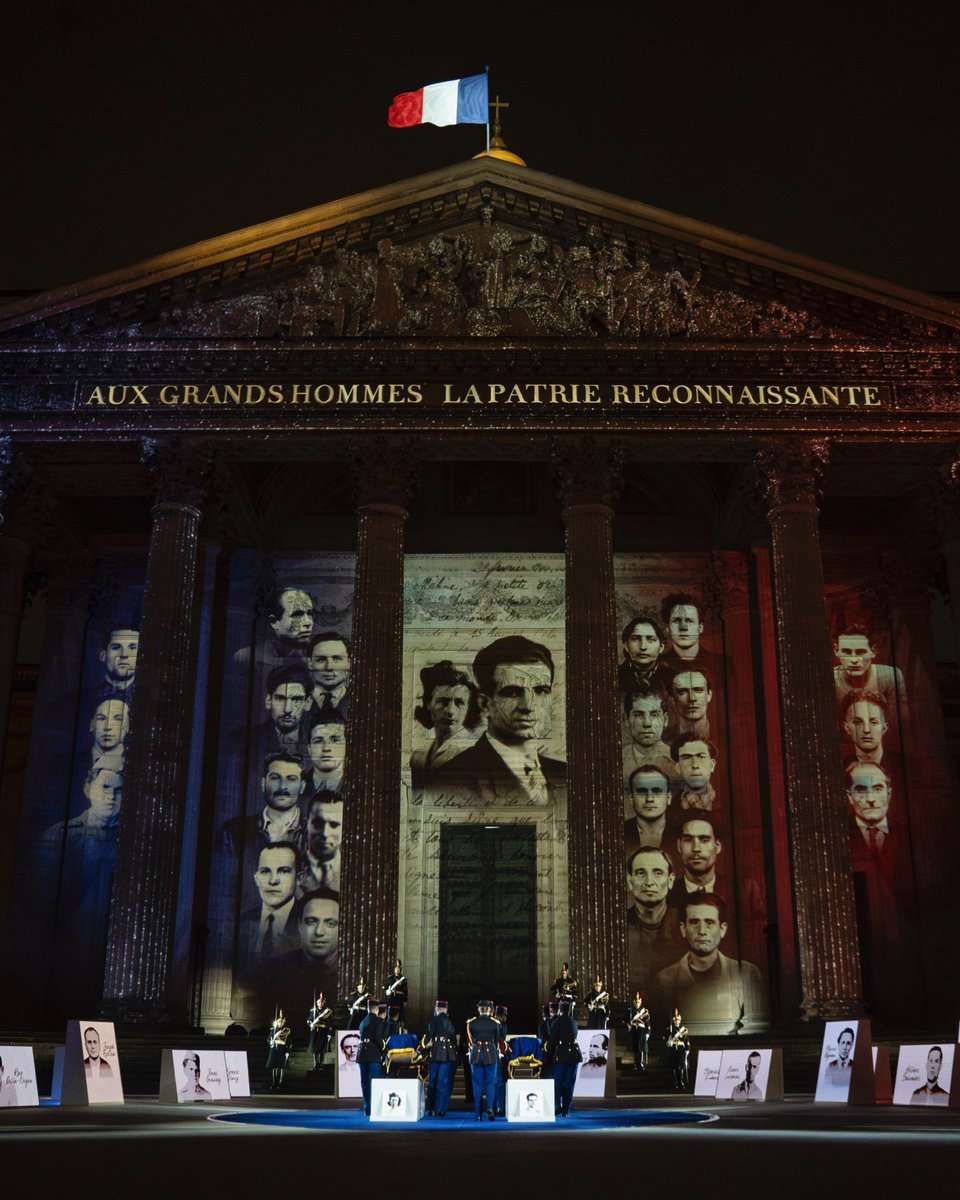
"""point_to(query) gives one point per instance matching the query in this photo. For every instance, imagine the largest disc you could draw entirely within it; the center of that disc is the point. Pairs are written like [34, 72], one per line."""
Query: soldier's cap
[441, 1004]
[371, 1003]
[484, 1004]
[553, 1006]
[566, 1005]
[501, 1008]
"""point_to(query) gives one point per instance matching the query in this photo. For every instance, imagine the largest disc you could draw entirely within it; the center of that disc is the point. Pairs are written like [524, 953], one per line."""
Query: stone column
[15, 494]
[139, 947]
[589, 470]
[826, 920]
[385, 467]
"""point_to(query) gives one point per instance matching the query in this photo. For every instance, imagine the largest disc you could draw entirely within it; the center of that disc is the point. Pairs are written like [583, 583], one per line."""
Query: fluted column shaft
[371, 832]
[140, 944]
[589, 470]
[823, 886]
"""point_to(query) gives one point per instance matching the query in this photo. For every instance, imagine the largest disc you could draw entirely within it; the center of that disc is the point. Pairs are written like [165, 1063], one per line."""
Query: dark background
[828, 128]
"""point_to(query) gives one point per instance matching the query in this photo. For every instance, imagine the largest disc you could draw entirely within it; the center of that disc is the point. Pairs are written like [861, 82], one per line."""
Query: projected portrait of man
[321, 864]
[645, 713]
[858, 670]
[644, 641]
[326, 746]
[504, 765]
[109, 726]
[696, 761]
[653, 929]
[691, 692]
[709, 988]
[270, 932]
[650, 795]
[328, 660]
[119, 658]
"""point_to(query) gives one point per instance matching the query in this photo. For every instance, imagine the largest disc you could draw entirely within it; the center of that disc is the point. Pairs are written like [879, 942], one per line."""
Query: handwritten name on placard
[465, 397]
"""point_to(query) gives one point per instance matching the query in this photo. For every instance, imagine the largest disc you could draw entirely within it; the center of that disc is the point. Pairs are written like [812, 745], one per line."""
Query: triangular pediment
[485, 249]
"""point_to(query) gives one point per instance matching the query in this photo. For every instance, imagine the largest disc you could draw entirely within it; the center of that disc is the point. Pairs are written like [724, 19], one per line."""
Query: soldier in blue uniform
[550, 1014]
[440, 1040]
[566, 1055]
[483, 1034]
[500, 1016]
[370, 1055]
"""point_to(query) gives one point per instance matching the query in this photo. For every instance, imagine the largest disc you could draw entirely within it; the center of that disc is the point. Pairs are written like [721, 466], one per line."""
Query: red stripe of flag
[406, 109]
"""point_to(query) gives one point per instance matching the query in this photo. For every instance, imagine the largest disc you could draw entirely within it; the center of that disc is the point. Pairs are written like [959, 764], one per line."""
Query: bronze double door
[488, 921]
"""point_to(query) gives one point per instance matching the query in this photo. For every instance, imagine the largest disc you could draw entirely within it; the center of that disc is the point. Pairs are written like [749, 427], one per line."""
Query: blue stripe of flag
[473, 100]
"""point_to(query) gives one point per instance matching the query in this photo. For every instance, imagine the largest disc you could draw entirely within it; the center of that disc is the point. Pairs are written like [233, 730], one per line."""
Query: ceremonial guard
[598, 1002]
[279, 1043]
[483, 1034]
[678, 1043]
[440, 1040]
[550, 1013]
[395, 993]
[638, 1031]
[500, 1016]
[564, 987]
[318, 1022]
[565, 1054]
[357, 1004]
[370, 1053]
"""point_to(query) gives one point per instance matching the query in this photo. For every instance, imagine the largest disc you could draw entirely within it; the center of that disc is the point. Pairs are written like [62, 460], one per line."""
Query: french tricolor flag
[456, 102]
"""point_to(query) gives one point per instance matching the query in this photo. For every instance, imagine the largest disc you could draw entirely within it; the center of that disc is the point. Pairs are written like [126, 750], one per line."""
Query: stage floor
[146, 1150]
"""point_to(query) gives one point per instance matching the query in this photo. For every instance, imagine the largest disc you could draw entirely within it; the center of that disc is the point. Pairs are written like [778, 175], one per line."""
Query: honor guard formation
[381, 1045]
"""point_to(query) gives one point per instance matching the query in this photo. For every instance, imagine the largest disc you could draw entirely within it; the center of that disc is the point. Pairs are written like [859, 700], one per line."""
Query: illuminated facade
[416, 570]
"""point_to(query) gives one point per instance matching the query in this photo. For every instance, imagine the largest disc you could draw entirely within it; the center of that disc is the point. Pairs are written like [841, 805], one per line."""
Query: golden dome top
[498, 147]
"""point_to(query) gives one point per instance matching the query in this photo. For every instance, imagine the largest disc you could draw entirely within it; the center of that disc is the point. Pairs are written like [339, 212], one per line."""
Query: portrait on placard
[18, 1077]
[836, 1060]
[531, 1100]
[592, 1073]
[743, 1075]
[924, 1075]
[348, 1069]
[101, 1062]
[201, 1075]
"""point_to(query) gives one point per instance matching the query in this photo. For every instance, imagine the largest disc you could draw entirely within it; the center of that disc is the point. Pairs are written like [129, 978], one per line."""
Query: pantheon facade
[488, 572]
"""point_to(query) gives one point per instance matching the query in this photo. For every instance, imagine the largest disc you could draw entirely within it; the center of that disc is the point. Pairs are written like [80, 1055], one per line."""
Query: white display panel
[530, 1100]
[91, 1068]
[924, 1074]
[398, 1101]
[238, 1072]
[348, 1069]
[708, 1072]
[18, 1077]
[193, 1076]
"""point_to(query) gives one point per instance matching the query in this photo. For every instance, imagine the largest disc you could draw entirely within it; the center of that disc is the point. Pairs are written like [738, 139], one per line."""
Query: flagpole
[487, 72]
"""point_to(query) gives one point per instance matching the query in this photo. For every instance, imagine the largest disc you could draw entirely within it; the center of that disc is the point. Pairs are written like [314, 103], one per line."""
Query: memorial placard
[747, 1074]
[193, 1076]
[530, 1100]
[238, 1072]
[708, 1072]
[348, 1069]
[597, 1075]
[924, 1074]
[396, 1100]
[846, 1073]
[18, 1077]
[91, 1065]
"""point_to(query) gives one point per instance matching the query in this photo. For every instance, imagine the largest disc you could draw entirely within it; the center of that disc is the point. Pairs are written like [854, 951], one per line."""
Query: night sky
[827, 128]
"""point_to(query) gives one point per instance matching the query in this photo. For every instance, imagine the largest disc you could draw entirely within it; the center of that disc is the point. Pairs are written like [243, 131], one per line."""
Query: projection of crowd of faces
[78, 850]
[683, 946]
[286, 841]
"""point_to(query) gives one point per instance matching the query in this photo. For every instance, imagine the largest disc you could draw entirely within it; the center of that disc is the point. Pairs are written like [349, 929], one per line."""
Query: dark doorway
[488, 920]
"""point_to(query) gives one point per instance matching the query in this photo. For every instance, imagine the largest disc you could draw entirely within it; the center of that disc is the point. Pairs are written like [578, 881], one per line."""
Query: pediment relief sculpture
[486, 279]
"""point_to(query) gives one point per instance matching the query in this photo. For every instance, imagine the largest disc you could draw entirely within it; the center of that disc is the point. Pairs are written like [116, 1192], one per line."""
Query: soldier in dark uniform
[483, 1033]
[500, 1016]
[440, 1040]
[598, 1002]
[638, 1031]
[395, 993]
[279, 1043]
[564, 987]
[318, 1022]
[678, 1043]
[566, 1055]
[357, 1003]
[370, 1053]
[551, 1012]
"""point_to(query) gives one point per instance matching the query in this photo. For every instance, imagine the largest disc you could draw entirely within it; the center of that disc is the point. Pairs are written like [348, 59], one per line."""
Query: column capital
[180, 471]
[790, 470]
[386, 467]
[589, 469]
